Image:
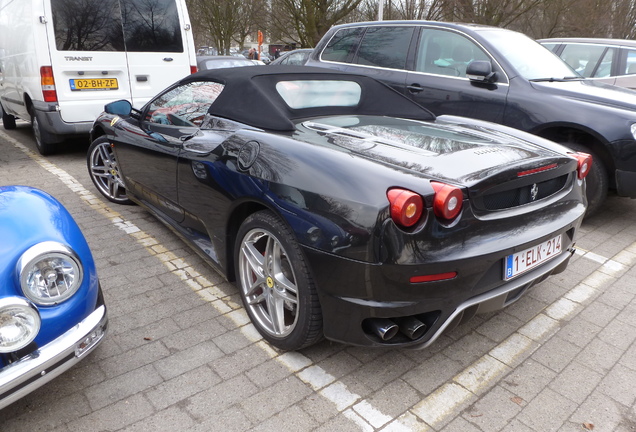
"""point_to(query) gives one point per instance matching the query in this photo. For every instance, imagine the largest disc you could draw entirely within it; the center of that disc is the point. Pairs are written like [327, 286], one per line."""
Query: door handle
[415, 88]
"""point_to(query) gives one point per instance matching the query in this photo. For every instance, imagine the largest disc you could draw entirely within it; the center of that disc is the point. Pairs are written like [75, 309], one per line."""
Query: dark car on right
[498, 75]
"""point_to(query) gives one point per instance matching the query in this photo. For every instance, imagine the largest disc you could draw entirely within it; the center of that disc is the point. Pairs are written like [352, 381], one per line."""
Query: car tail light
[448, 200]
[585, 164]
[406, 206]
[48, 84]
[193, 69]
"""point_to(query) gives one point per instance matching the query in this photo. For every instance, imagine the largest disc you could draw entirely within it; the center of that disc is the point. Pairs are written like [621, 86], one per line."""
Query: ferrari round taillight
[448, 200]
[406, 206]
[585, 164]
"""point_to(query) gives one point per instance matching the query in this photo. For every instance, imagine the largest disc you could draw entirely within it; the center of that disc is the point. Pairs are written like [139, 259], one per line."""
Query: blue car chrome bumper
[22, 377]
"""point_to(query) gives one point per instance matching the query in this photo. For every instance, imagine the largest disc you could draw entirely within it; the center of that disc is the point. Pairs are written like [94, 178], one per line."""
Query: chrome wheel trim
[105, 172]
[268, 283]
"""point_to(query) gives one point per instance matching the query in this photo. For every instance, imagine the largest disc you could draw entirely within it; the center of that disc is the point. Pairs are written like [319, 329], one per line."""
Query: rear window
[320, 93]
[97, 25]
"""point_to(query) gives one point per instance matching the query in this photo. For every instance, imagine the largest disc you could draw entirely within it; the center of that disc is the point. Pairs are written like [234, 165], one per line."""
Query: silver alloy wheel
[104, 171]
[268, 283]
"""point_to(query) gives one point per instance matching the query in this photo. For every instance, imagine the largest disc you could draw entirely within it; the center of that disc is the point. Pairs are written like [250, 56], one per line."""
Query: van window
[385, 47]
[446, 53]
[342, 44]
[97, 25]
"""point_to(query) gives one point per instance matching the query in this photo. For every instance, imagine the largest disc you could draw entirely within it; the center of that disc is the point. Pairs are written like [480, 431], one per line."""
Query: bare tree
[500, 13]
[306, 21]
[254, 13]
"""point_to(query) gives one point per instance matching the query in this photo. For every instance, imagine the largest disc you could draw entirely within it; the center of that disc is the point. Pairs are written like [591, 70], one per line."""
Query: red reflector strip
[536, 170]
[433, 278]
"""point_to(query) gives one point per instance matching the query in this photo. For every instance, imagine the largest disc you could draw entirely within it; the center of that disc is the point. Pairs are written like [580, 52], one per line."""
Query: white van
[61, 61]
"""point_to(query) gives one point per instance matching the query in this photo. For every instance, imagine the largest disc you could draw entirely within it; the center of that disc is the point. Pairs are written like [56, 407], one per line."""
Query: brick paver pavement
[181, 354]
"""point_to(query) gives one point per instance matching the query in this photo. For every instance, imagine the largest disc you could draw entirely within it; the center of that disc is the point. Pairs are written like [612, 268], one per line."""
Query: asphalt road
[182, 355]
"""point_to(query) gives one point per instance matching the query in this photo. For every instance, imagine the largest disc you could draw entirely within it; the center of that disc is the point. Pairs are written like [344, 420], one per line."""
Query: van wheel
[43, 140]
[8, 121]
[596, 182]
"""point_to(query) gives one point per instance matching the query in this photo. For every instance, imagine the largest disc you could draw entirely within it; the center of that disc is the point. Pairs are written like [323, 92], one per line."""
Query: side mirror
[120, 108]
[481, 71]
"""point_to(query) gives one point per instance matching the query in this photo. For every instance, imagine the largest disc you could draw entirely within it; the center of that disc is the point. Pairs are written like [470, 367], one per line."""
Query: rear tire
[275, 283]
[44, 141]
[596, 182]
[8, 121]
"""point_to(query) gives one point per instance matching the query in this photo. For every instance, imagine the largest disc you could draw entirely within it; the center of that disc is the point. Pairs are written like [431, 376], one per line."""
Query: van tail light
[193, 69]
[48, 84]
[406, 206]
[585, 164]
[448, 200]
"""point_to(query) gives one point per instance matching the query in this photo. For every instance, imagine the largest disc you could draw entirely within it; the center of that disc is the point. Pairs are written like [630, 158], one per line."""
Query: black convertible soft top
[250, 96]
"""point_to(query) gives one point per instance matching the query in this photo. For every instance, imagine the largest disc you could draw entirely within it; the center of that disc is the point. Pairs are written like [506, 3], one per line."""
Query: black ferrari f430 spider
[341, 208]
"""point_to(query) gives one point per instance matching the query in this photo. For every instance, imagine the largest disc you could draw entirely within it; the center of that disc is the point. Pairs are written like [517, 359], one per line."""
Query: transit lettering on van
[71, 58]
[58, 70]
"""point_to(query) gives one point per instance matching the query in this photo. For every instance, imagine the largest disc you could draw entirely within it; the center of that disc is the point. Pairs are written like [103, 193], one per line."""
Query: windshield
[530, 59]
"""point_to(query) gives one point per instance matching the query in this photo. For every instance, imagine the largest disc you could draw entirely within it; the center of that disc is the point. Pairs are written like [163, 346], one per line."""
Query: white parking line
[432, 411]
[484, 373]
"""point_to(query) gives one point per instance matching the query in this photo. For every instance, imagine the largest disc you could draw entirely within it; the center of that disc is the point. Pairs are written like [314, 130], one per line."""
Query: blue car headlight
[49, 273]
[19, 324]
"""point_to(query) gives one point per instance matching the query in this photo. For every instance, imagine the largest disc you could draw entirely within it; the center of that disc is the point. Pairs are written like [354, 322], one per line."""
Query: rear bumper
[623, 153]
[51, 121]
[626, 183]
[24, 376]
[356, 296]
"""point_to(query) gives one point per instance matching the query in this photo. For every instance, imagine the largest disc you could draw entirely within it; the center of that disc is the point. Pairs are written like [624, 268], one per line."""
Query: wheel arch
[564, 134]
[235, 220]
[96, 132]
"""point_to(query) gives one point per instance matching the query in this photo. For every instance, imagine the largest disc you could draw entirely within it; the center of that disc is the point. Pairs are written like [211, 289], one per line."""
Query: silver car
[612, 61]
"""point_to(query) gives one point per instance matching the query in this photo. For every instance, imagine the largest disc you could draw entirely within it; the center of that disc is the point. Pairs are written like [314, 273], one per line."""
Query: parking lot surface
[182, 355]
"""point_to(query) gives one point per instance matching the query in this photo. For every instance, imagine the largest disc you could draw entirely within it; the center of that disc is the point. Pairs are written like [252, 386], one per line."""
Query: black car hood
[442, 149]
[590, 91]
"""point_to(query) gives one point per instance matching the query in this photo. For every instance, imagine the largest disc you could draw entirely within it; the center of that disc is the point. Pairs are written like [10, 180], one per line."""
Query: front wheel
[275, 283]
[596, 182]
[104, 171]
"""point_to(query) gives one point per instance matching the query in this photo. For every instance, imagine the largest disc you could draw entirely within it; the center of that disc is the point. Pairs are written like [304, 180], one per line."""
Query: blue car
[52, 311]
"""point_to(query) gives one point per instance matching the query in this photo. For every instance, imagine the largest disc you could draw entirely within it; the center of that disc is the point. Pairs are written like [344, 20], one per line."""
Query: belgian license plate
[94, 84]
[530, 258]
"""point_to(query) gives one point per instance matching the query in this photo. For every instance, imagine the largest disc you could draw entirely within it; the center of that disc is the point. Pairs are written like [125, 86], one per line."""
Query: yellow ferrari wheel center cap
[270, 282]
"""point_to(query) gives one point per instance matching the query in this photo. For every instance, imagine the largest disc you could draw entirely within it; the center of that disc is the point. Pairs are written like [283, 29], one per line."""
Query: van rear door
[160, 49]
[88, 56]
[105, 50]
